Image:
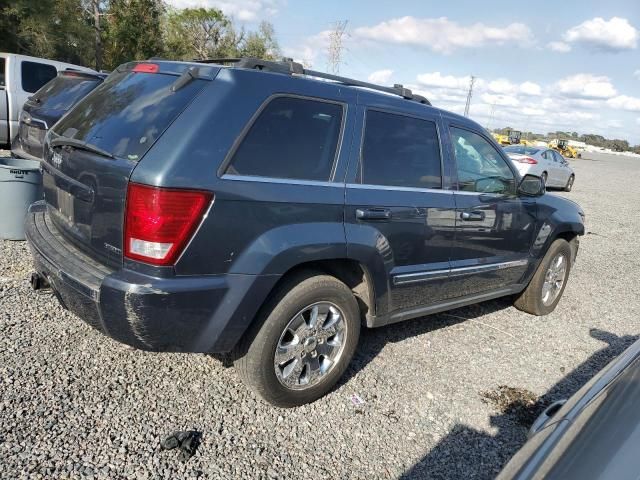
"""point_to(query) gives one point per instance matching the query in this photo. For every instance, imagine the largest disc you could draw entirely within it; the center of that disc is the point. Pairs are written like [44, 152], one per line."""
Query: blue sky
[540, 66]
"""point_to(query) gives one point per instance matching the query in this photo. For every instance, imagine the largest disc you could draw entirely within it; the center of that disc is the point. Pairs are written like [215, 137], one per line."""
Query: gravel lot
[76, 404]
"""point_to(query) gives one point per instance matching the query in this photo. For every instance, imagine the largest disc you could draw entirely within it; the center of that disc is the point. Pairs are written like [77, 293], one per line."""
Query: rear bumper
[179, 314]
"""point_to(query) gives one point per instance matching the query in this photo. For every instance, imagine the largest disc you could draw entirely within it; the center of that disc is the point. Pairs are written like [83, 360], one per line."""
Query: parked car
[47, 106]
[543, 162]
[21, 76]
[206, 208]
[594, 435]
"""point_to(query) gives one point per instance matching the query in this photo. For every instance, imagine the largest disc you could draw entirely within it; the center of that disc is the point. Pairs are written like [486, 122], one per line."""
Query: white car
[543, 162]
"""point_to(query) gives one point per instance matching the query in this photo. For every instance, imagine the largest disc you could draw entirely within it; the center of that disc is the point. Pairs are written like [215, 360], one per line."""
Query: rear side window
[293, 138]
[2, 74]
[65, 90]
[400, 151]
[35, 75]
[128, 112]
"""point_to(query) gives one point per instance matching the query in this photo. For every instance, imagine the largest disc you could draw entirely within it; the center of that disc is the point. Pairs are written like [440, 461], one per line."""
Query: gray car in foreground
[594, 435]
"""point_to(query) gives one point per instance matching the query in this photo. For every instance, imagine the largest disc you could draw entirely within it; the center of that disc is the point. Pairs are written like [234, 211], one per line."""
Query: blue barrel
[20, 186]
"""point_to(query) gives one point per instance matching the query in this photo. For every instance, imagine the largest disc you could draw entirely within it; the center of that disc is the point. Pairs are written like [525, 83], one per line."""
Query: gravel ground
[448, 396]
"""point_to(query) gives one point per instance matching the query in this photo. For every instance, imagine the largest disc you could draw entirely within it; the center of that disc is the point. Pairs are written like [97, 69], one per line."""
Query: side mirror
[531, 186]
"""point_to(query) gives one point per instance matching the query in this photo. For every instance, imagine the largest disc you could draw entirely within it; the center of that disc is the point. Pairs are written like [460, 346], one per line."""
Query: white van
[20, 77]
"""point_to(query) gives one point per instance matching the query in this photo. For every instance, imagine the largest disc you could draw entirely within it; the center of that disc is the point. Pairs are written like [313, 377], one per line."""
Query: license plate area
[65, 202]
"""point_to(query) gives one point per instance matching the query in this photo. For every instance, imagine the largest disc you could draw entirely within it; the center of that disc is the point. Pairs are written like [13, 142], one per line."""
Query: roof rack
[288, 67]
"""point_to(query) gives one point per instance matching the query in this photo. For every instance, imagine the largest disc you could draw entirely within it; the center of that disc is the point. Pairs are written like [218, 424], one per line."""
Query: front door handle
[373, 214]
[472, 216]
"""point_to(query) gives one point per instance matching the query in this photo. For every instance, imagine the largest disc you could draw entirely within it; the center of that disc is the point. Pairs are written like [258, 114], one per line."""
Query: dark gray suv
[257, 210]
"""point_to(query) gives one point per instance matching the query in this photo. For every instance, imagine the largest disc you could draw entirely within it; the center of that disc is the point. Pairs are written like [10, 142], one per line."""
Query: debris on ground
[187, 441]
[357, 400]
[521, 403]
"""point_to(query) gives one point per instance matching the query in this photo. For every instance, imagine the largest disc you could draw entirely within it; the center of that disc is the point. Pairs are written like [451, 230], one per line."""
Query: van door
[4, 104]
[494, 226]
[396, 203]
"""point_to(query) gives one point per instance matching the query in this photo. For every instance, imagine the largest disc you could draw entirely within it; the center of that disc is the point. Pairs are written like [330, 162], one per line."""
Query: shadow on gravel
[468, 453]
[372, 341]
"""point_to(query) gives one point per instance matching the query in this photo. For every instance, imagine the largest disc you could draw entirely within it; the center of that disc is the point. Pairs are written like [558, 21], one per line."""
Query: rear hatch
[49, 104]
[91, 152]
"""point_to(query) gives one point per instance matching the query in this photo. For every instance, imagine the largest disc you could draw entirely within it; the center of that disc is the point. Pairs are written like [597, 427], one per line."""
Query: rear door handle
[373, 214]
[472, 216]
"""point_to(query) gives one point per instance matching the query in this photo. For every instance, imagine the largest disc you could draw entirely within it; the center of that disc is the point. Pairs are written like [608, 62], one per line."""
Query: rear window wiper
[79, 144]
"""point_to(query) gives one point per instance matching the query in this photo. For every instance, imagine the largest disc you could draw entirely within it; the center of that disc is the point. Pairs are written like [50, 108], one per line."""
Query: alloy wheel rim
[310, 346]
[554, 279]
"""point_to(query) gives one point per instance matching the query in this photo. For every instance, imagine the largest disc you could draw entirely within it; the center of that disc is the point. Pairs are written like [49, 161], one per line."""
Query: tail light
[159, 222]
[529, 160]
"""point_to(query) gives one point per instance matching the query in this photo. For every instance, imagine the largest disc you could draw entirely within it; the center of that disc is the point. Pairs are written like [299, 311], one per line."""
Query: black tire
[530, 300]
[254, 356]
[569, 184]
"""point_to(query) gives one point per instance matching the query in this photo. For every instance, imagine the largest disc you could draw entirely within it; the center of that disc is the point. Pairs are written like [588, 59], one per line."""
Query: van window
[480, 167]
[2, 67]
[65, 90]
[292, 138]
[400, 151]
[128, 112]
[35, 75]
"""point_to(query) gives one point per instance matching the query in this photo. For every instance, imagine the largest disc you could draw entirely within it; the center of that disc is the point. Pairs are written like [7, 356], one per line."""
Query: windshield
[127, 113]
[521, 150]
[64, 91]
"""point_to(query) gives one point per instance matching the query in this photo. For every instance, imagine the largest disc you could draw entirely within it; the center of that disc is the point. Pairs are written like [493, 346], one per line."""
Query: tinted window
[35, 75]
[2, 67]
[522, 150]
[128, 112]
[480, 166]
[558, 157]
[65, 90]
[400, 151]
[291, 138]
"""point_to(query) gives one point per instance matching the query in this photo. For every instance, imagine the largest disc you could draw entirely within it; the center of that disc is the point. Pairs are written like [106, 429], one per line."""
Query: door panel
[494, 228]
[412, 228]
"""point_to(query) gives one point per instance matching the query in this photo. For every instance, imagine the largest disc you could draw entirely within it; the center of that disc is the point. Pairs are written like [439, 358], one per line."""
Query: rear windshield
[65, 90]
[128, 112]
[522, 150]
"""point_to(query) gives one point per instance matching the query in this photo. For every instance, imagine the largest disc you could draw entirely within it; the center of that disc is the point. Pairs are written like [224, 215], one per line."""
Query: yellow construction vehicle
[513, 137]
[562, 146]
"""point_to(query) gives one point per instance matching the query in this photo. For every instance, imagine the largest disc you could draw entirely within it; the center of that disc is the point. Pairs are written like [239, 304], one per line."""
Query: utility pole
[334, 50]
[469, 95]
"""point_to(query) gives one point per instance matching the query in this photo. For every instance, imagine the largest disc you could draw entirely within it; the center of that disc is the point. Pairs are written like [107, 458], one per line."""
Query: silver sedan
[543, 162]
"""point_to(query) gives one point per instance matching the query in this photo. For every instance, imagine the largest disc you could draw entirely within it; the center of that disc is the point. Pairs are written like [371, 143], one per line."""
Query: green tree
[133, 31]
[199, 33]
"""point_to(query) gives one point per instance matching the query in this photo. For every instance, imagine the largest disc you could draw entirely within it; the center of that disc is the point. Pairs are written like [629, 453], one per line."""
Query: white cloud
[585, 85]
[381, 76]
[436, 79]
[502, 86]
[637, 74]
[530, 88]
[243, 10]
[536, 112]
[612, 35]
[500, 100]
[559, 47]
[443, 35]
[624, 102]
[309, 51]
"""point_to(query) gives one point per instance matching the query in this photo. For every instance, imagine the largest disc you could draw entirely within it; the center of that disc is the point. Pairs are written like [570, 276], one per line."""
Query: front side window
[35, 75]
[480, 166]
[400, 151]
[292, 138]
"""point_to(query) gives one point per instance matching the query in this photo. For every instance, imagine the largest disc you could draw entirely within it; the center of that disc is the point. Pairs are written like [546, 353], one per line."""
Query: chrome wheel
[554, 279]
[310, 345]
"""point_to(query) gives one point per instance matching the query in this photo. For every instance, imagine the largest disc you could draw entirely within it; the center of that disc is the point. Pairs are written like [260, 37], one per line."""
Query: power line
[334, 49]
[469, 95]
